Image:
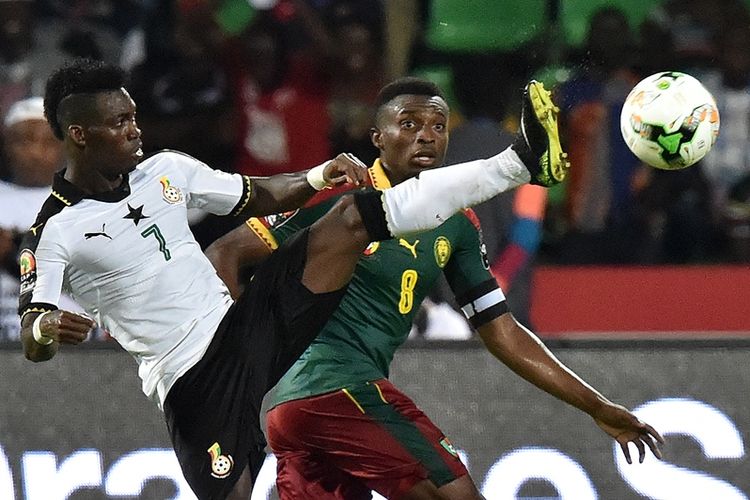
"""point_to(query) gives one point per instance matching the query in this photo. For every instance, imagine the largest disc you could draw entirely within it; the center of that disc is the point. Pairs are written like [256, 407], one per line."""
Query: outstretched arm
[283, 192]
[525, 354]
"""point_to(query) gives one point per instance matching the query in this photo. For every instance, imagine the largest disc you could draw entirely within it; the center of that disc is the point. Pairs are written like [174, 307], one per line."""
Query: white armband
[40, 338]
[315, 176]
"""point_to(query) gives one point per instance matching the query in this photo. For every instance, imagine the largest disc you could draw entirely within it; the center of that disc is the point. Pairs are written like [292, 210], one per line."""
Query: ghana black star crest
[136, 214]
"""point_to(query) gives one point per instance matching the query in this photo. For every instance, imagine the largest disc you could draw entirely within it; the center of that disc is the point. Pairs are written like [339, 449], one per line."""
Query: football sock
[426, 201]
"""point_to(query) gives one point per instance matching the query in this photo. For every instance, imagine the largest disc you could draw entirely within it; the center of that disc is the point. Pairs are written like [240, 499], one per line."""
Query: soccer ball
[669, 120]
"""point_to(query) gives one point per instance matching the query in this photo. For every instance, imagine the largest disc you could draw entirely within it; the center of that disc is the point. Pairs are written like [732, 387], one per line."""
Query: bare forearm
[279, 193]
[527, 356]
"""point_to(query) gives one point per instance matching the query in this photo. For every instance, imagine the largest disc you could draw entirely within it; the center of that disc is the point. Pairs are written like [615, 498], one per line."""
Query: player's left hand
[345, 169]
[624, 427]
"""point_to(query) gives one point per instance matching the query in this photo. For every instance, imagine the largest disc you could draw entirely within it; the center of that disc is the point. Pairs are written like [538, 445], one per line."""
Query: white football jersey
[129, 259]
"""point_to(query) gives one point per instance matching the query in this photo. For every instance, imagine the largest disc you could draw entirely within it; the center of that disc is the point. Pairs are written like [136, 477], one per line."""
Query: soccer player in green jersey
[338, 427]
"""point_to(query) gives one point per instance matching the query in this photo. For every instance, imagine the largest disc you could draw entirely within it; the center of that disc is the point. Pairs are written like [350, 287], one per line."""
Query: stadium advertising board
[78, 427]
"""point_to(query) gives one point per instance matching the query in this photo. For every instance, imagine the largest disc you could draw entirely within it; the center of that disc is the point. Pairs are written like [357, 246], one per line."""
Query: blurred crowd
[268, 86]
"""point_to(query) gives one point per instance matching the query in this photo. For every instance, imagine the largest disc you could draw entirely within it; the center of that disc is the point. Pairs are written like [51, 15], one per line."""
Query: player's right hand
[626, 428]
[66, 327]
[345, 168]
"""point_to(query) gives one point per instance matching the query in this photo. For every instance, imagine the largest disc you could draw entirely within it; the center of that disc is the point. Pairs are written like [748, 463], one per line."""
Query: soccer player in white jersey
[114, 234]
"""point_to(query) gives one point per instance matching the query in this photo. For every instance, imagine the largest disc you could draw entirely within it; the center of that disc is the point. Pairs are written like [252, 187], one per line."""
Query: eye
[440, 127]
[407, 124]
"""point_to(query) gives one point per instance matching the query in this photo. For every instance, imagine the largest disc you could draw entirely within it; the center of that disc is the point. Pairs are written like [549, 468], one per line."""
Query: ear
[376, 136]
[77, 135]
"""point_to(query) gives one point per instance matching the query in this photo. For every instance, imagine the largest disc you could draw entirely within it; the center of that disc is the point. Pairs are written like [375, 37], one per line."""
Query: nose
[426, 135]
[133, 131]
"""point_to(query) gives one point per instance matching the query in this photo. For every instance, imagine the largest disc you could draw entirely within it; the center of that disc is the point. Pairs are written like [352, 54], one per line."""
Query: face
[357, 47]
[34, 154]
[16, 26]
[412, 135]
[110, 137]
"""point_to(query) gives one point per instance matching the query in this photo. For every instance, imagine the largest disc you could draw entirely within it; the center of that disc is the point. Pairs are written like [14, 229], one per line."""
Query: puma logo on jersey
[411, 248]
[221, 465]
[100, 233]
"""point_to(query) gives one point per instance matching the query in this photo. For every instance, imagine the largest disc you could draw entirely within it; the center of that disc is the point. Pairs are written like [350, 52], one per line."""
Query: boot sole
[546, 114]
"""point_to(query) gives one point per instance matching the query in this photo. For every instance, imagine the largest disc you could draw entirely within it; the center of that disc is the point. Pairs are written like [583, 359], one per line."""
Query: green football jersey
[375, 316]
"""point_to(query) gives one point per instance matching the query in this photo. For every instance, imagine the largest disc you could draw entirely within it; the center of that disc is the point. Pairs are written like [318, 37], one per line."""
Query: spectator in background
[729, 160]
[736, 220]
[601, 189]
[280, 97]
[512, 221]
[685, 29]
[302, 96]
[37, 36]
[185, 99]
[16, 42]
[183, 92]
[356, 69]
[32, 155]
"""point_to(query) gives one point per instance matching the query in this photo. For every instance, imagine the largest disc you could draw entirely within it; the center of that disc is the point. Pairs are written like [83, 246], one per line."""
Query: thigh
[372, 432]
[213, 418]
[282, 316]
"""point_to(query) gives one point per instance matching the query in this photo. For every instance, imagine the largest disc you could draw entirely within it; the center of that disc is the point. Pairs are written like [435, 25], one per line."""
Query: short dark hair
[79, 76]
[408, 85]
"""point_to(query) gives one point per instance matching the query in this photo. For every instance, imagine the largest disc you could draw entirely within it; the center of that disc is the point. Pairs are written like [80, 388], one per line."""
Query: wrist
[36, 331]
[316, 176]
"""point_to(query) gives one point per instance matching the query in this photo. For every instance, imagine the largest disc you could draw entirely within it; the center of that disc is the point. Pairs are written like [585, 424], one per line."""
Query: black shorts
[213, 410]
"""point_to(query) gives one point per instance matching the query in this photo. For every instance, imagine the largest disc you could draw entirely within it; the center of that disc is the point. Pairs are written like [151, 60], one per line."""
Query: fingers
[653, 446]
[355, 160]
[651, 431]
[641, 450]
[349, 169]
[67, 327]
[647, 437]
[626, 451]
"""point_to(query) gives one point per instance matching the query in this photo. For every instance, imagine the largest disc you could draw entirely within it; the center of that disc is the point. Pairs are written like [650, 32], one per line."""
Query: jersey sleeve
[214, 191]
[42, 262]
[273, 230]
[467, 273]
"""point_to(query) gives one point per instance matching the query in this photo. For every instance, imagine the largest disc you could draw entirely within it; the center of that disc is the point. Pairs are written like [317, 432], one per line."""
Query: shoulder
[52, 207]
[167, 158]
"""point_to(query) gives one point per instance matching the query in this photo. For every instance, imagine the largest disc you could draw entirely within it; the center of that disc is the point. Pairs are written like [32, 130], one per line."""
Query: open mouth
[424, 158]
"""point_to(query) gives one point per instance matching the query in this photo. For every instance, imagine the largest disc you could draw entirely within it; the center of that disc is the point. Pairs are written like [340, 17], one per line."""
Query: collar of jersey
[378, 177]
[70, 194]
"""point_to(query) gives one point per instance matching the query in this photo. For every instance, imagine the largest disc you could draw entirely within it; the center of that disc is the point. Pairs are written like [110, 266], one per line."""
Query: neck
[89, 180]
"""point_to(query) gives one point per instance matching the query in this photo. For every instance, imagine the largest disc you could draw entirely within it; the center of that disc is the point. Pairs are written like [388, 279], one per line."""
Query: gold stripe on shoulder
[262, 232]
[61, 198]
[248, 194]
